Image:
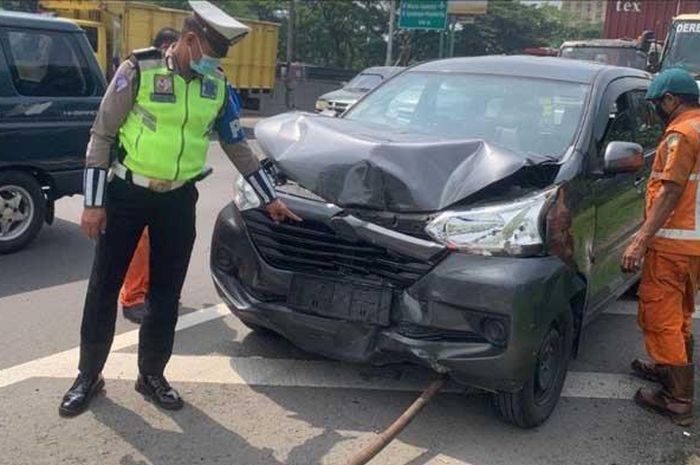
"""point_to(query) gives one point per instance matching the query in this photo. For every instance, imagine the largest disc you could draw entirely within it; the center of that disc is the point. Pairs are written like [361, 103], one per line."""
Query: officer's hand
[634, 255]
[279, 212]
[93, 222]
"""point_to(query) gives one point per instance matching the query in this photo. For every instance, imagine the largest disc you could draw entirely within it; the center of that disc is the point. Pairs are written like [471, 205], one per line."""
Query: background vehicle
[340, 100]
[50, 89]
[115, 28]
[682, 48]
[616, 52]
[468, 215]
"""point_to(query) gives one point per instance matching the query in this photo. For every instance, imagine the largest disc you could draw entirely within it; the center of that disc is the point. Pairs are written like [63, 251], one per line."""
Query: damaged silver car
[468, 215]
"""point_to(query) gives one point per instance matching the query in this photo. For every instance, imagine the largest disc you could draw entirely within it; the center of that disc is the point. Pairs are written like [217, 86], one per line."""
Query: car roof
[610, 43]
[36, 21]
[561, 69]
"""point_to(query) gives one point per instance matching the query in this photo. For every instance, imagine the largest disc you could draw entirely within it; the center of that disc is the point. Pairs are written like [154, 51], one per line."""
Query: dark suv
[468, 215]
[50, 89]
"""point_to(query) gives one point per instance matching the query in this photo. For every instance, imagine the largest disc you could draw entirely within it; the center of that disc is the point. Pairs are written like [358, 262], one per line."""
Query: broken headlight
[244, 196]
[512, 228]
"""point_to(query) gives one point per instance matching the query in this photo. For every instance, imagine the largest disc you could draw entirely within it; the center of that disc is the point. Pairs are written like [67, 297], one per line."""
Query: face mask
[205, 65]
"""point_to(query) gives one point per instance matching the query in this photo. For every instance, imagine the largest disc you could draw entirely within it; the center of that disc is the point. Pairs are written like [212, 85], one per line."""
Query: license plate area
[344, 300]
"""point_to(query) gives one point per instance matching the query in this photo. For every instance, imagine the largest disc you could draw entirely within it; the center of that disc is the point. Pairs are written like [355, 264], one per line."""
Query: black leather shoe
[135, 313]
[157, 389]
[78, 397]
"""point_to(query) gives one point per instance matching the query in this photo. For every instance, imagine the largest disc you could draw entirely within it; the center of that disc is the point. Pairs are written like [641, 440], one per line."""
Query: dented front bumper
[480, 319]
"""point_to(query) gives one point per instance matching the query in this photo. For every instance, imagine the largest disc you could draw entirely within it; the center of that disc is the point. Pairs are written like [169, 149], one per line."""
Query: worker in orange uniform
[667, 248]
[135, 288]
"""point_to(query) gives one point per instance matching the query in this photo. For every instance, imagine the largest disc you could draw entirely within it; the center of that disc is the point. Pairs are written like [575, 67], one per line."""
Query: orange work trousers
[135, 287]
[666, 304]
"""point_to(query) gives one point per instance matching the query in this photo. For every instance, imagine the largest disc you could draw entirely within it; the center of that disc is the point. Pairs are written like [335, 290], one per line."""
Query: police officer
[160, 108]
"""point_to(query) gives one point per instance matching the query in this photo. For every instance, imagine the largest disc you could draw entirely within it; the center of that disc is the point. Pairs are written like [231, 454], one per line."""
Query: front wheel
[534, 403]
[22, 210]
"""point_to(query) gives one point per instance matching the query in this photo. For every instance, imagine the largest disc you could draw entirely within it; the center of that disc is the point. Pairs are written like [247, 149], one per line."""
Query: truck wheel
[534, 403]
[22, 210]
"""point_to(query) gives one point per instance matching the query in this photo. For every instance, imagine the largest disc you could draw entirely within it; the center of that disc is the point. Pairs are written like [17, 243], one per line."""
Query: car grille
[315, 248]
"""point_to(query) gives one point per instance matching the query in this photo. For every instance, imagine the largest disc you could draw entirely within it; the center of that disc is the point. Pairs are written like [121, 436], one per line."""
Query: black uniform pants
[170, 217]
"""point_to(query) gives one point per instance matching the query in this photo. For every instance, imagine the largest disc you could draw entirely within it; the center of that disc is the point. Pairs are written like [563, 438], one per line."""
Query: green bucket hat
[673, 81]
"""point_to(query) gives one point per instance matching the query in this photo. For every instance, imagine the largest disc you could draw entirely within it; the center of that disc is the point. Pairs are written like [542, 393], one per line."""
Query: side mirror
[623, 157]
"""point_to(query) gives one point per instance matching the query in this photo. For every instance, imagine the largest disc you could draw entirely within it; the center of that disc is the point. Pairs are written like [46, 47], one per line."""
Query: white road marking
[312, 374]
[256, 371]
[26, 370]
[323, 374]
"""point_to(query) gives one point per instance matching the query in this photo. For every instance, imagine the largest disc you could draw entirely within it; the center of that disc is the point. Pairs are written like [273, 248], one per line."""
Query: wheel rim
[16, 212]
[549, 367]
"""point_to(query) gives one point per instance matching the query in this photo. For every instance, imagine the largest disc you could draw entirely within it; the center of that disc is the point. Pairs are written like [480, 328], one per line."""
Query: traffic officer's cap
[220, 29]
[672, 81]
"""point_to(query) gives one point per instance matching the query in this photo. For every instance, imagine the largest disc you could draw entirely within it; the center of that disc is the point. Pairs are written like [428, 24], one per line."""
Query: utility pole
[288, 78]
[390, 42]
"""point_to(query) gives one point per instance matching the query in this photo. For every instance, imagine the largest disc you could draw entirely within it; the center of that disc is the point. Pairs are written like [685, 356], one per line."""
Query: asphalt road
[256, 399]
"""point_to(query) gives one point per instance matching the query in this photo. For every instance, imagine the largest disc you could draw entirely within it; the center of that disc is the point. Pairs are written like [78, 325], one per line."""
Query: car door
[55, 92]
[619, 199]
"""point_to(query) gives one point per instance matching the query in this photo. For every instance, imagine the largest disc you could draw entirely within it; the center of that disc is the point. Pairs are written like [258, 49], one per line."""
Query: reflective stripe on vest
[166, 134]
[683, 233]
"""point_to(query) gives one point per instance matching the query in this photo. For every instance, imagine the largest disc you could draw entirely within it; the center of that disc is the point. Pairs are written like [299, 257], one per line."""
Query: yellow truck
[115, 28]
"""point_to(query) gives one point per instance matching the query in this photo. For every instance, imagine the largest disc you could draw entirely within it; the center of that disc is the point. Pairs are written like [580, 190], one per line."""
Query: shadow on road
[60, 254]
[200, 437]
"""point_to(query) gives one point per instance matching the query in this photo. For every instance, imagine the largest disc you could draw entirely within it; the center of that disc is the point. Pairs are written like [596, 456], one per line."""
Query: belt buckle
[158, 185]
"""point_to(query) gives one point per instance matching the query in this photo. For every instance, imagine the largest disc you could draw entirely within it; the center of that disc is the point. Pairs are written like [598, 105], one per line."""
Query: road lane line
[257, 371]
[18, 373]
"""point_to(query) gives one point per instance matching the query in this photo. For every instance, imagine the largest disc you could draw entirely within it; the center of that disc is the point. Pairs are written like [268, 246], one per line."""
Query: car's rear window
[46, 64]
[525, 115]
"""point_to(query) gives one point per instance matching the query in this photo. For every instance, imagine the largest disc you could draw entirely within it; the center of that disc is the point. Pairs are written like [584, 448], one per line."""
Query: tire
[535, 402]
[22, 210]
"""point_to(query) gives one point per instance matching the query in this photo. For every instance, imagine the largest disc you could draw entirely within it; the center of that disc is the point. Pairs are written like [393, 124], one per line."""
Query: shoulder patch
[120, 82]
[672, 140]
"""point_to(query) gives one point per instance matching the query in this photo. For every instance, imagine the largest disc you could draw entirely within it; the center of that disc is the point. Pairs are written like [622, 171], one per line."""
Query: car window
[632, 119]
[91, 34]
[621, 121]
[46, 64]
[365, 81]
[648, 125]
[535, 116]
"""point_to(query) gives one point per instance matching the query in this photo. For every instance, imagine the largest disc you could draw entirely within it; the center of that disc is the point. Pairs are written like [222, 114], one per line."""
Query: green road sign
[423, 14]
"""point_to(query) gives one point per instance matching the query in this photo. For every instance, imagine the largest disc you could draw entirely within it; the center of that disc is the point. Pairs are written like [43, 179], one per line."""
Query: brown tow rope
[389, 434]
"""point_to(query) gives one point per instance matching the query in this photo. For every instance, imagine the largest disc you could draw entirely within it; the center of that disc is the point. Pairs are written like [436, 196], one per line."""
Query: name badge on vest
[163, 88]
[209, 88]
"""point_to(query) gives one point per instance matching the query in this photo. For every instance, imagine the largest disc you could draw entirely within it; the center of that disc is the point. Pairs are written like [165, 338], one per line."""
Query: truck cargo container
[628, 18]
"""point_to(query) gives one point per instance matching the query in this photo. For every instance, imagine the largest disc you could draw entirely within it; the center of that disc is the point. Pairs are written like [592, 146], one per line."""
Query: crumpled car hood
[353, 164]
